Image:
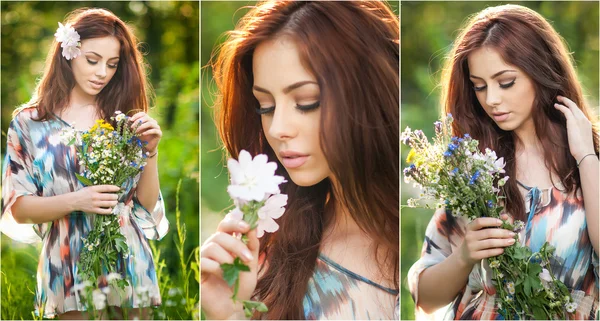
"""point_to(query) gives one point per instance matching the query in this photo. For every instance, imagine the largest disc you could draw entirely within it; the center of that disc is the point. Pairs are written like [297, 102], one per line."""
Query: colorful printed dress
[555, 217]
[38, 164]
[335, 293]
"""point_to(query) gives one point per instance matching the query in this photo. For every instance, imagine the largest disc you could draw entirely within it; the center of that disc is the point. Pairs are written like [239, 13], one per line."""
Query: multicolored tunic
[335, 293]
[38, 164]
[555, 217]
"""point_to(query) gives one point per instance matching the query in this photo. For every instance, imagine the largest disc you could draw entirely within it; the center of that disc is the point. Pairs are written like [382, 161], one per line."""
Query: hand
[481, 242]
[148, 129]
[579, 128]
[98, 199]
[223, 247]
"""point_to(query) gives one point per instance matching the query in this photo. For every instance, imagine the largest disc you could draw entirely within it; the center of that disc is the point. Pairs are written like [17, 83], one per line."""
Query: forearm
[590, 173]
[148, 187]
[439, 284]
[36, 209]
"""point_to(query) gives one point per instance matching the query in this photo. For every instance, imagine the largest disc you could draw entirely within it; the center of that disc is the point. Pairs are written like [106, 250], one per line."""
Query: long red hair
[526, 40]
[128, 89]
[353, 50]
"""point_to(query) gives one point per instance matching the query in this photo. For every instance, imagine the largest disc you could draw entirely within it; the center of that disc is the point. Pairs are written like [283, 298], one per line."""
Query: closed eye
[508, 85]
[480, 88]
[91, 62]
[301, 108]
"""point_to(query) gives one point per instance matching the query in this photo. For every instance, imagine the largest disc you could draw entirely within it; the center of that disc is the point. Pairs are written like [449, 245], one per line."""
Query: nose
[493, 97]
[101, 71]
[282, 125]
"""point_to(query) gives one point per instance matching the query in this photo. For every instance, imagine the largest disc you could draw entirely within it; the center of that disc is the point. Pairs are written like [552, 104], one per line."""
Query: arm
[453, 273]
[148, 187]
[589, 173]
[37, 209]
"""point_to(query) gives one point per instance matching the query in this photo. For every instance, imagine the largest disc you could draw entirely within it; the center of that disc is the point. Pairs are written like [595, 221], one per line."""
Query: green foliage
[428, 30]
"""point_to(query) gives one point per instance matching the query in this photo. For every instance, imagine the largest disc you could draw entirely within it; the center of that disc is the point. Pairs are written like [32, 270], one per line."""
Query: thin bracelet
[156, 152]
[579, 163]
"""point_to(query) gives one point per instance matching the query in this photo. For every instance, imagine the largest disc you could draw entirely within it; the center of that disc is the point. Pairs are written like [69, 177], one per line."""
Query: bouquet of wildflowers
[107, 156]
[467, 182]
[255, 192]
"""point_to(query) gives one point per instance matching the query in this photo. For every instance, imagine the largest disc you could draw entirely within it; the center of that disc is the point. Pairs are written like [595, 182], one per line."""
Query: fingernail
[247, 255]
[243, 225]
[511, 241]
[498, 221]
[511, 234]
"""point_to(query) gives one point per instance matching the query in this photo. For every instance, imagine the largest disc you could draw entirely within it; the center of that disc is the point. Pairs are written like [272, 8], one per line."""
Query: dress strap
[353, 275]
[524, 186]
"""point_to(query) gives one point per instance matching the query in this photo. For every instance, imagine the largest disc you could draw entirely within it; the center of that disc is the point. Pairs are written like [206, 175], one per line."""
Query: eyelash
[301, 108]
[504, 86]
[95, 62]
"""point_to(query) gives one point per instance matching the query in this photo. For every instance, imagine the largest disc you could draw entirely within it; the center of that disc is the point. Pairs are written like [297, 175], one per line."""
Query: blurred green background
[169, 32]
[217, 17]
[428, 30]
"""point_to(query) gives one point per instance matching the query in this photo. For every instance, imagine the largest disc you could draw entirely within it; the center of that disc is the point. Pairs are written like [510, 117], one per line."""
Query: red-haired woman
[510, 83]
[93, 69]
[314, 85]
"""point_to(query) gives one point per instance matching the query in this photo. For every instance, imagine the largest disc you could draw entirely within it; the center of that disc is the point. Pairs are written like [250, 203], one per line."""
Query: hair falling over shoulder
[526, 40]
[352, 48]
[129, 89]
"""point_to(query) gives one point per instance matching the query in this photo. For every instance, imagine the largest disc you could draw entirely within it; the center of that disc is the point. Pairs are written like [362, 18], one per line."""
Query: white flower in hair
[69, 41]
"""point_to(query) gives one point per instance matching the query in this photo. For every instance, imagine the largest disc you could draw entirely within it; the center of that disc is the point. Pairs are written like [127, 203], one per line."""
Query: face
[96, 65]
[505, 91]
[290, 110]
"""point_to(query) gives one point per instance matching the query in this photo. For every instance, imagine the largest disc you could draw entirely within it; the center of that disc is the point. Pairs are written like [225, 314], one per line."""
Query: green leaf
[527, 287]
[231, 272]
[540, 314]
[85, 181]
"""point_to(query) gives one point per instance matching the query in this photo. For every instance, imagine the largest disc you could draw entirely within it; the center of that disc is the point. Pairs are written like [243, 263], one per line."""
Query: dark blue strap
[354, 275]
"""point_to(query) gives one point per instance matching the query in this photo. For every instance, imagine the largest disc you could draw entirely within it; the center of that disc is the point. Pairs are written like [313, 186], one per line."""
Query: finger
[145, 126]
[484, 254]
[566, 111]
[482, 222]
[105, 204]
[231, 244]
[106, 188]
[493, 244]
[216, 253]
[108, 197]
[137, 116]
[493, 233]
[230, 225]
[103, 211]
[154, 131]
[253, 243]
[569, 103]
[507, 218]
[210, 266]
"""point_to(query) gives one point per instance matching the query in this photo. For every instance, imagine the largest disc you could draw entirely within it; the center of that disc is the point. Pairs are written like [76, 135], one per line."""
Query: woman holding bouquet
[510, 83]
[319, 96]
[93, 69]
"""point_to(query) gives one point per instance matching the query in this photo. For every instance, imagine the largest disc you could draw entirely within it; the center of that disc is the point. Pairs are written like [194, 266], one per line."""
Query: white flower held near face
[252, 179]
[273, 209]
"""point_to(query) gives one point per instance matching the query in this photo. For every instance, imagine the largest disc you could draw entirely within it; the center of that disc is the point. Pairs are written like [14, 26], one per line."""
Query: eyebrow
[495, 75]
[288, 88]
[97, 54]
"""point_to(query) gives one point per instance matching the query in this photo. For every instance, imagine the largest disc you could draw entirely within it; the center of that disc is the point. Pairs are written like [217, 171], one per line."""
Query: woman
[92, 70]
[510, 83]
[314, 85]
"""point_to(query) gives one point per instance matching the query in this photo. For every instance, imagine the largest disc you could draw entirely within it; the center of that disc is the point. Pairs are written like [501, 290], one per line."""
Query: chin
[305, 179]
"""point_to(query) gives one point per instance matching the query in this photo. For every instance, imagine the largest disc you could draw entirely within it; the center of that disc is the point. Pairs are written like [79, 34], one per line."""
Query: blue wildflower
[133, 164]
[455, 170]
[474, 177]
[460, 140]
[454, 138]
[490, 204]
[467, 136]
[448, 153]
[413, 167]
[447, 202]
[452, 147]
[141, 168]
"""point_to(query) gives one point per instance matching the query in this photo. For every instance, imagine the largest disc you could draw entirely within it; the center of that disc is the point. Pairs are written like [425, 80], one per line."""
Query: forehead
[276, 63]
[486, 61]
[107, 47]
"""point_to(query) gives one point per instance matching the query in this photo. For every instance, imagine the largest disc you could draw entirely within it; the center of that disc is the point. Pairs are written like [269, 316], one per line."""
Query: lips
[96, 84]
[500, 116]
[292, 159]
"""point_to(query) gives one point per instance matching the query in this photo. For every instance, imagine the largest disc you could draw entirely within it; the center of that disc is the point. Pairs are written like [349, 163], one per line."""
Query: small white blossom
[99, 299]
[571, 307]
[253, 179]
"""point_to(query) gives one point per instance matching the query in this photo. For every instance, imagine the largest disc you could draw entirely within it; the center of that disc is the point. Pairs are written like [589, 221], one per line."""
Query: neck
[528, 140]
[79, 98]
